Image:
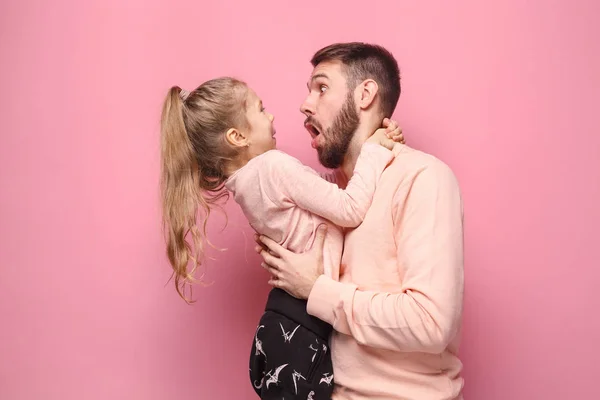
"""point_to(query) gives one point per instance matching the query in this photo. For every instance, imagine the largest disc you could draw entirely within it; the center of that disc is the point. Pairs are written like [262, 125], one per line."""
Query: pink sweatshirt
[396, 309]
[286, 200]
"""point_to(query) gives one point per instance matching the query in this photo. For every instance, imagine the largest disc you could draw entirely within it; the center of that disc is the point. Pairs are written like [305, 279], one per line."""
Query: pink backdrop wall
[505, 92]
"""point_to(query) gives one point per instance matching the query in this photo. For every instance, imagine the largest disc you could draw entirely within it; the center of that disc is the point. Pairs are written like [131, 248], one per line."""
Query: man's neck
[366, 128]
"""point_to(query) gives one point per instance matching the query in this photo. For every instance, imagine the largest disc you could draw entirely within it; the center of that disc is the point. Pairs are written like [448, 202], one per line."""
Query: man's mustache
[311, 121]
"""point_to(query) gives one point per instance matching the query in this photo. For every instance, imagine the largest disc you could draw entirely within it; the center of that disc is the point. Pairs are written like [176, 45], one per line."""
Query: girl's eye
[323, 88]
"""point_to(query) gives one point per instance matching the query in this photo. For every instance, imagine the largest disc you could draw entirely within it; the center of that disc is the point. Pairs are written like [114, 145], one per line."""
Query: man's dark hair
[366, 61]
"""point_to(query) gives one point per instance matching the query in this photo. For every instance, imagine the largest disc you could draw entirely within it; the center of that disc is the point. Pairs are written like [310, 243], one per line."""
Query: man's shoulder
[412, 165]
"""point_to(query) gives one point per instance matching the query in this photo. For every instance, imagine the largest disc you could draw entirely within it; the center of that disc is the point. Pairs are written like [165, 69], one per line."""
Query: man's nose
[308, 107]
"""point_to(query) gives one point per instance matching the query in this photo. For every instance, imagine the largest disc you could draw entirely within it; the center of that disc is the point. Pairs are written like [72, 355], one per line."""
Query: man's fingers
[260, 244]
[274, 273]
[270, 260]
[276, 283]
[270, 245]
[319, 243]
[260, 248]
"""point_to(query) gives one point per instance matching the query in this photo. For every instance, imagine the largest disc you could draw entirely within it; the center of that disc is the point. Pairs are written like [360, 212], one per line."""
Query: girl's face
[261, 137]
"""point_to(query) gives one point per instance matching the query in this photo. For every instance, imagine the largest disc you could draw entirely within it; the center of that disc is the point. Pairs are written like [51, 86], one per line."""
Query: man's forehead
[327, 69]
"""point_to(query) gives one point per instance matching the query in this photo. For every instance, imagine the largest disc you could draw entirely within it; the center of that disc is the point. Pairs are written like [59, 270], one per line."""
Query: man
[396, 310]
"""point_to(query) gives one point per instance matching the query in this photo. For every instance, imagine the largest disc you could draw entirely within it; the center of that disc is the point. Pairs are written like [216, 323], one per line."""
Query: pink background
[505, 92]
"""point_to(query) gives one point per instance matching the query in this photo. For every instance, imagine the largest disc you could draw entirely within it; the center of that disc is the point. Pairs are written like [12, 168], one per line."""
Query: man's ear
[366, 93]
[236, 138]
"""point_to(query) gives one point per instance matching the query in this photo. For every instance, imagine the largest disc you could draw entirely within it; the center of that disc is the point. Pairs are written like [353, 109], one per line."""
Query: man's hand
[294, 273]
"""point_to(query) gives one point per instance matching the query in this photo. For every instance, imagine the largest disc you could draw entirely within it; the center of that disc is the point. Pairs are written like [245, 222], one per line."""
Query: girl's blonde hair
[194, 159]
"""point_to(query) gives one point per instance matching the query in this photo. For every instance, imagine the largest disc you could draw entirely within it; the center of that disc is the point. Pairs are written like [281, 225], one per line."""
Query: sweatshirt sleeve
[336, 176]
[301, 185]
[424, 315]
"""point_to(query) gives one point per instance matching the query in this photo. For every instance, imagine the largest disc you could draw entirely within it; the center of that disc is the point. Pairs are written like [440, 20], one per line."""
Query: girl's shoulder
[276, 157]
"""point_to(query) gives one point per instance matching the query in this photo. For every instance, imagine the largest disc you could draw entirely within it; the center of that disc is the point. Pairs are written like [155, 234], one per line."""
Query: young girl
[219, 139]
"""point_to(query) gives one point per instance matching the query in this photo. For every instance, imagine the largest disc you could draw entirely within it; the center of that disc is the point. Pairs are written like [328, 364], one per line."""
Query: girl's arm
[299, 184]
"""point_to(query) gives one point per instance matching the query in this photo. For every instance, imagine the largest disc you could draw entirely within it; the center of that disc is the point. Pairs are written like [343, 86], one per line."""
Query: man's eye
[322, 88]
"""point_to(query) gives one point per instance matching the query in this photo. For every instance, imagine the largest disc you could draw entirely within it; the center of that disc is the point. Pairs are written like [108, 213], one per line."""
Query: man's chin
[327, 160]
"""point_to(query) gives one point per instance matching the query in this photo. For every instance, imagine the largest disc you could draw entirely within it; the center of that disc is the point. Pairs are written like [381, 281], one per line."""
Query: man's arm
[424, 315]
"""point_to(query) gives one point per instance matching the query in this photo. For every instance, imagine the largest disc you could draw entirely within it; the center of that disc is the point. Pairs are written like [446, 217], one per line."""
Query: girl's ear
[236, 138]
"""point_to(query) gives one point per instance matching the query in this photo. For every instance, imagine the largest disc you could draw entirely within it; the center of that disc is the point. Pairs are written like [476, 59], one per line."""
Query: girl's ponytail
[180, 193]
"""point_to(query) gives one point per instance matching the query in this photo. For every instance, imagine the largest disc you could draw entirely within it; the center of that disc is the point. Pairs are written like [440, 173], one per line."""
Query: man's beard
[339, 135]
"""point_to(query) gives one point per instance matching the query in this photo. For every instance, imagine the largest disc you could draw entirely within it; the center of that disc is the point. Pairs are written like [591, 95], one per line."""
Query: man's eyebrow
[319, 75]
[316, 76]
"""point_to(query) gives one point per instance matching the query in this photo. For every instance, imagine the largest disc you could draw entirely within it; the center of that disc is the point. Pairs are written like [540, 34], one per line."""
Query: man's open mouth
[314, 134]
[313, 130]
